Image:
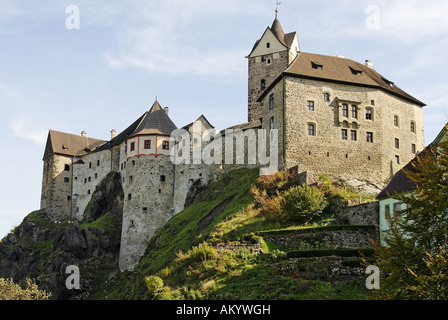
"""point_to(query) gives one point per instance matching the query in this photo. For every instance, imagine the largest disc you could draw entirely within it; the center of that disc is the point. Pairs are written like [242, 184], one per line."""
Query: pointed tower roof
[155, 121]
[277, 29]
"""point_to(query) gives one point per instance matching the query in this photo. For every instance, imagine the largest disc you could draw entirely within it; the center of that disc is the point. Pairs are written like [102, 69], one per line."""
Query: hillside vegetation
[217, 248]
[214, 249]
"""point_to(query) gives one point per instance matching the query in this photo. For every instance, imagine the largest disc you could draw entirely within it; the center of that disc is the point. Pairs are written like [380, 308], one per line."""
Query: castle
[333, 116]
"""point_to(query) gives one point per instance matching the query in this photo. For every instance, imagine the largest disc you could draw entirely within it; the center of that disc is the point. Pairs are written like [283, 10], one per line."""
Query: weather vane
[277, 3]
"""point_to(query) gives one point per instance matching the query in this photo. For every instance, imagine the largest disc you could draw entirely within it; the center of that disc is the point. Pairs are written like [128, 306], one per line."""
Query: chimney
[84, 134]
[113, 133]
[369, 64]
[166, 110]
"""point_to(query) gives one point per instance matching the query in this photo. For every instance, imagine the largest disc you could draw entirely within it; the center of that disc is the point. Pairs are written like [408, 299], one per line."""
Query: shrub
[203, 252]
[303, 204]
[154, 284]
[269, 205]
[11, 291]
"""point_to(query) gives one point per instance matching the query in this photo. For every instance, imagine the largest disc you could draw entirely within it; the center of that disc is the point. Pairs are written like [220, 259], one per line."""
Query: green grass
[176, 254]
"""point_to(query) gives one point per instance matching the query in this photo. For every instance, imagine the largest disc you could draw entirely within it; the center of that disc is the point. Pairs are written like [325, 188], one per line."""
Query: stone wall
[148, 193]
[57, 186]
[88, 171]
[326, 152]
[362, 214]
[259, 70]
[336, 239]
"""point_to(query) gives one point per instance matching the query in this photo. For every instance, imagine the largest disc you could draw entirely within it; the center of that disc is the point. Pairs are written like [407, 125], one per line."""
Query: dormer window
[316, 66]
[390, 83]
[356, 72]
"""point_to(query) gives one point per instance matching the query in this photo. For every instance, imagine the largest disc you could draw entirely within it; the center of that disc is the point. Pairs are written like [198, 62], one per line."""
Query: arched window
[311, 129]
[396, 121]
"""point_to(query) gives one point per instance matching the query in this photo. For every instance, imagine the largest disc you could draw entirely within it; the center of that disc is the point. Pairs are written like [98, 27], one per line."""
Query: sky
[94, 66]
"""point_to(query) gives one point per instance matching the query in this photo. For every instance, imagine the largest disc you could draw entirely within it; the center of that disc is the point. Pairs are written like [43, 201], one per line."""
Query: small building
[400, 184]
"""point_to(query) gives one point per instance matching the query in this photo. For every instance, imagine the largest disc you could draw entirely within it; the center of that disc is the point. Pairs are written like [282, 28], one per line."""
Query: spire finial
[277, 3]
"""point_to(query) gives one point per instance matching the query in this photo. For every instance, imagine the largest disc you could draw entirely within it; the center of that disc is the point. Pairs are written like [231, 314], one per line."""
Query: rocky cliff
[42, 250]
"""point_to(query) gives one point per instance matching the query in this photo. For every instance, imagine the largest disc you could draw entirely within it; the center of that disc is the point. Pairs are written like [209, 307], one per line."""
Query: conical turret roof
[156, 121]
[278, 30]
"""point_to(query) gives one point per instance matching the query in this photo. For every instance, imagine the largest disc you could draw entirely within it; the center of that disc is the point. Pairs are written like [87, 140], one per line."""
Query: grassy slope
[175, 255]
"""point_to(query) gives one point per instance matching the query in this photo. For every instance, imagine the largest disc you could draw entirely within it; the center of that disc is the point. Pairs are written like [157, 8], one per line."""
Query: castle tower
[148, 184]
[270, 56]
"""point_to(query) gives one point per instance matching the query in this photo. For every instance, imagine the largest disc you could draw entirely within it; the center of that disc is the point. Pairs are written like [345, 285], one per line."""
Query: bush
[11, 291]
[154, 284]
[203, 252]
[303, 204]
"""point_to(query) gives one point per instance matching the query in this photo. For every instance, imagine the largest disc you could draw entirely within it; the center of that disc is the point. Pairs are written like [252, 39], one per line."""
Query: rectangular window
[310, 105]
[397, 143]
[165, 145]
[344, 134]
[397, 207]
[67, 167]
[414, 149]
[345, 110]
[147, 144]
[387, 210]
[412, 126]
[162, 178]
[353, 135]
[66, 180]
[396, 121]
[397, 159]
[370, 137]
[326, 97]
[369, 114]
[354, 110]
[132, 146]
[98, 163]
[271, 101]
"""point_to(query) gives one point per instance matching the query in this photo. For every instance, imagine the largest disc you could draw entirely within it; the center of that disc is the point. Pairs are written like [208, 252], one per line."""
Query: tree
[415, 258]
[11, 291]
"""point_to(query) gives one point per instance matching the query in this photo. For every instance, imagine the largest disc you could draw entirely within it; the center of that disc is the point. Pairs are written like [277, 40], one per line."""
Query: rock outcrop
[42, 249]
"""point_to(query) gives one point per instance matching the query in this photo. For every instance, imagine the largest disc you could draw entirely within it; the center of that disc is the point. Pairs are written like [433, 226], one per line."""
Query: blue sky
[191, 55]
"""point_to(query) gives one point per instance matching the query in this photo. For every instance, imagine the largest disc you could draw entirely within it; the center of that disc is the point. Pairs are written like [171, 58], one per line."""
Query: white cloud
[175, 36]
[25, 127]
